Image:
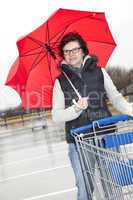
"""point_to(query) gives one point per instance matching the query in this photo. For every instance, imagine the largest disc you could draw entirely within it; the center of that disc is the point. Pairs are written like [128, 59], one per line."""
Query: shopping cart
[105, 150]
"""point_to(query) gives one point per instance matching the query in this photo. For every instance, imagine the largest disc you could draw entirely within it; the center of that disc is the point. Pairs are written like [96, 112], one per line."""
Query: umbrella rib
[48, 58]
[28, 53]
[44, 45]
[32, 54]
[37, 60]
[60, 35]
[36, 41]
[35, 63]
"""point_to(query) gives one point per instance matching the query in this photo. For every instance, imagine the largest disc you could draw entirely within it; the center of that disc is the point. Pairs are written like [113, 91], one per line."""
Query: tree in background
[120, 77]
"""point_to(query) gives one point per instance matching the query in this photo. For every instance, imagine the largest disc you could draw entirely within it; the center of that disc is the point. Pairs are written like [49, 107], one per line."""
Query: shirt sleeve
[59, 112]
[116, 98]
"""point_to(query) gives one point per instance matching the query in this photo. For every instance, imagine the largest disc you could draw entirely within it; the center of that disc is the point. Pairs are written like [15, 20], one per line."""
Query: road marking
[35, 172]
[52, 194]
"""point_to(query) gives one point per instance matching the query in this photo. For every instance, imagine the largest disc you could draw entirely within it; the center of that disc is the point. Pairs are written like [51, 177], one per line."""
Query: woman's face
[73, 54]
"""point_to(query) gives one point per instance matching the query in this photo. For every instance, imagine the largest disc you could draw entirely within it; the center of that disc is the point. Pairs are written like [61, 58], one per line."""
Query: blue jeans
[82, 193]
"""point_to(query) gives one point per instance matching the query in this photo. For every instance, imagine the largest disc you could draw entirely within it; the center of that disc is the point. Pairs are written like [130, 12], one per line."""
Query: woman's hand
[81, 104]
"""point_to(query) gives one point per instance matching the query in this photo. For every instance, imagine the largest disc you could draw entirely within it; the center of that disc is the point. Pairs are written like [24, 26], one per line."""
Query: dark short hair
[73, 36]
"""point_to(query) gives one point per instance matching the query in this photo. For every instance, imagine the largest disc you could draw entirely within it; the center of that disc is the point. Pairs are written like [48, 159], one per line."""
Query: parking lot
[34, 164]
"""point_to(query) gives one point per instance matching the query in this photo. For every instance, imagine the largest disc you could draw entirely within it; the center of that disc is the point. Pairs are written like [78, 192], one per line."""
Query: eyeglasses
[74, 51]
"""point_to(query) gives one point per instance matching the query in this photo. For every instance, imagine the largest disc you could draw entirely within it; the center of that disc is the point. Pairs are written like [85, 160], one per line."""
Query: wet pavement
[35, 164]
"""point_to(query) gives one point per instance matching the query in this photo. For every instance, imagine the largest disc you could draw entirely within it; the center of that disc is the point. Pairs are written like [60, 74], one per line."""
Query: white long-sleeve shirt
[62, 114]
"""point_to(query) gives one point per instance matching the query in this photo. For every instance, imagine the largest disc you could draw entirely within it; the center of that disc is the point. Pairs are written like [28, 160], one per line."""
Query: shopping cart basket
[105, 150]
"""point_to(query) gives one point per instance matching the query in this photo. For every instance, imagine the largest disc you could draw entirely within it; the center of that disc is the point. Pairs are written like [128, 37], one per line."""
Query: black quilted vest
[90, 83]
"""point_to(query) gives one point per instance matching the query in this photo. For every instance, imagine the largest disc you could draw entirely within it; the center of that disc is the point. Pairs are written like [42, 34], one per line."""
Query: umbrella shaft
[50, 50]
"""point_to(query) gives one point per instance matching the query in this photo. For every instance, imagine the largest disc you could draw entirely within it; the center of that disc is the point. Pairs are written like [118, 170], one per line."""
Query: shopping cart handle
[101, 122]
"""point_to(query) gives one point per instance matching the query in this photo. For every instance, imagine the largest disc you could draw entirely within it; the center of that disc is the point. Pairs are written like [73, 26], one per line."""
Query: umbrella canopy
[35, 70]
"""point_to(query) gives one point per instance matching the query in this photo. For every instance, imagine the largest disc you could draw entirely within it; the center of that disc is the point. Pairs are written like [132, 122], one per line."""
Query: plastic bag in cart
[121, 172]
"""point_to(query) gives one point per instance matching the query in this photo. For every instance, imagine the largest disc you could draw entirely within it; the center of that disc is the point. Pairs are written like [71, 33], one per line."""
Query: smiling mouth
[71, 59]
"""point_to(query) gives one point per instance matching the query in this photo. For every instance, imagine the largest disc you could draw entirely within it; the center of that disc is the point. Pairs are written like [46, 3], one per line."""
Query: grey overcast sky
[18, 18]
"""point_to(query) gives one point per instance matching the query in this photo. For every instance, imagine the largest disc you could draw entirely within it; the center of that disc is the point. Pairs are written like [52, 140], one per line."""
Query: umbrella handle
[76, 91]
[77, 105]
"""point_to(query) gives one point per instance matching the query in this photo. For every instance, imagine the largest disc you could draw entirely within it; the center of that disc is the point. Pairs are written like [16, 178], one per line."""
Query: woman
[80, 71]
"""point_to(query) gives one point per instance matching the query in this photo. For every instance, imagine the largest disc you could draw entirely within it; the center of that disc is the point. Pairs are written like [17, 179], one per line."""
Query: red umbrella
[34, 72]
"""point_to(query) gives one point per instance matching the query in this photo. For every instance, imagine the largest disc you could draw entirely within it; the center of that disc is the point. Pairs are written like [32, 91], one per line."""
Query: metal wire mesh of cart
[105, 150]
